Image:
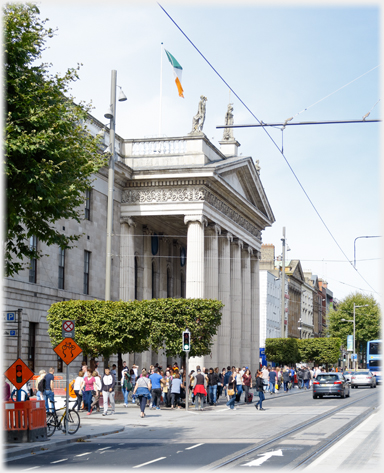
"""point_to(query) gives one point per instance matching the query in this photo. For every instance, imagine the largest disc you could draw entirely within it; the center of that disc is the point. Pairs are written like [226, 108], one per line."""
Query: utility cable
[270, 137]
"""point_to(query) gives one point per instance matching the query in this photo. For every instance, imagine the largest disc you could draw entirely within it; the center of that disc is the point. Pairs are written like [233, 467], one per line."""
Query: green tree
[367, 320]
[319, 350]
[106, 327]
[49, 156]
[283, 351]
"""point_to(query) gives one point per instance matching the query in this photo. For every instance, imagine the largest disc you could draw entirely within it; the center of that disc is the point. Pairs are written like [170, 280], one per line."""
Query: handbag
[231, 392]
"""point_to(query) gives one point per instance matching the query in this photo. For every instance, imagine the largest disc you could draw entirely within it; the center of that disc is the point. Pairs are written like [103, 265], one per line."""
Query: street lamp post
[354, 246]
[283, 288]
[111, 114]
[354, 331]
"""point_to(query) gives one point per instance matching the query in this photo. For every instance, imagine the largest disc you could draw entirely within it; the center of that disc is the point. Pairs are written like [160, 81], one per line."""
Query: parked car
[363, 378]
[330, 384]
[348, 374]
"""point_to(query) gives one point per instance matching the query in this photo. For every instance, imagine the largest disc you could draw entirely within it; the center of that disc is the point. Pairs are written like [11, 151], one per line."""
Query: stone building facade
[187, 222]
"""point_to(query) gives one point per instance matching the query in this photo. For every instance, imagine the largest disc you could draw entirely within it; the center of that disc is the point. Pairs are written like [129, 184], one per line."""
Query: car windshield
[366, 373]
[324, 378]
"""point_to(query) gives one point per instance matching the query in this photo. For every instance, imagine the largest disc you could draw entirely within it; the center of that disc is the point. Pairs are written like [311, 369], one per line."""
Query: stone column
[246, 303]
[211, 263]
[146, 357]
[225, 355]
[236, 301]
[255, 312]
[127, 259]
[195, 265]
[163, 255]
[176, 273]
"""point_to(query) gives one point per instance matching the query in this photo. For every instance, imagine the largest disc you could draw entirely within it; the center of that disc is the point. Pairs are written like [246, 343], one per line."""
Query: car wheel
[374, 386]
[349, 392]
[314, 396]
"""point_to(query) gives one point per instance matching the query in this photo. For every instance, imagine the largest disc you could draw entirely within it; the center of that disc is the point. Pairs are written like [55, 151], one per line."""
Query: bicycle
[54, 422]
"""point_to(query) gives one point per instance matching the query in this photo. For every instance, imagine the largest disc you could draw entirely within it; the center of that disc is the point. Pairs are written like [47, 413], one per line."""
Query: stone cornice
[172, 193]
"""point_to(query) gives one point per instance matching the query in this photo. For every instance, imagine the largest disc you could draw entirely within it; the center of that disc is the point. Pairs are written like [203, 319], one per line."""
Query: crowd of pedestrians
[158, 388]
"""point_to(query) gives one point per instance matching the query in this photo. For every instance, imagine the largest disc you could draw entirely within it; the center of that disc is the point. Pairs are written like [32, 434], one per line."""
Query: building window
[136, 276]
[61, 267]
[182, 285]
[153, 281]
[169, 283]
[33, 261]
[87, 214]
[31, 345]
[87, 258]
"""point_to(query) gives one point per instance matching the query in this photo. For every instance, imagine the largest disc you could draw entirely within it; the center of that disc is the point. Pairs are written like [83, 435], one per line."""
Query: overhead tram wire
[270, 137]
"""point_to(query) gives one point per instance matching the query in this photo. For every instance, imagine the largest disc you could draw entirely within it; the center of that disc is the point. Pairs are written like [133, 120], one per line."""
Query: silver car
[363, 378]
[330, 384]
[348, 374]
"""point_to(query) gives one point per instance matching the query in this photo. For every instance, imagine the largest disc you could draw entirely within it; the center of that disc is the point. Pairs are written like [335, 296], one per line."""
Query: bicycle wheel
[73, 422]
[51, 423]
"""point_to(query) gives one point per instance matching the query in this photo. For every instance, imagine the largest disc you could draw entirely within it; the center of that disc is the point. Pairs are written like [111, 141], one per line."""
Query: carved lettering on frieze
[187, 194]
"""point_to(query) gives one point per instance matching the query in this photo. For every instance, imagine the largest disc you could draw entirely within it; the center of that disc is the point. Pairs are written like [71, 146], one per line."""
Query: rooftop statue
[199, 118]
[228, 132]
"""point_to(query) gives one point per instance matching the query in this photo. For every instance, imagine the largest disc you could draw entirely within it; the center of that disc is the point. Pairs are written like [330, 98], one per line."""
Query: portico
[191, 223]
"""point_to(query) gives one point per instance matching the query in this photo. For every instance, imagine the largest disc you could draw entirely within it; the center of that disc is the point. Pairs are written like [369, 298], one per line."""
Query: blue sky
[279, 60]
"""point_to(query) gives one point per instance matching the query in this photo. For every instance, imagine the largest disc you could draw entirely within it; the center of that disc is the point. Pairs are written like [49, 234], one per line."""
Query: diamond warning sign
[68, 350]
[18, 373]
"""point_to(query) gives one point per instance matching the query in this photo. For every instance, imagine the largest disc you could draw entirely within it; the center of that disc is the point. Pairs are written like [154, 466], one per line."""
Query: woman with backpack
[286, 378]
[87, 386]
[143, 387]
[40, 389]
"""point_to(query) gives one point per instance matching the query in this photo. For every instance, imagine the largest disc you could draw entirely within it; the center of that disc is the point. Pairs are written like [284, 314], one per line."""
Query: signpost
[10, 317]
[18, 374]
[186, 341]
[67, 350]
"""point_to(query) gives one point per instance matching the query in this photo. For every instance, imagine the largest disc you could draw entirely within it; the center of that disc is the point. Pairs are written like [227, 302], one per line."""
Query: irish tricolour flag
[177, 70]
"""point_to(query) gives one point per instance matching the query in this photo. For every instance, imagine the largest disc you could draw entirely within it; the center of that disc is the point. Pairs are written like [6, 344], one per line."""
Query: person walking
[213, 379]
[306, 377]
[97, 393]
[108, 382]
[220, 383]
[272, 381]
[199, 390]
[77, 388]
[300, 377]
[126, 385]
[175, 390]
[87, 386]
[265, 377]
[247, 384]
[226, 379]
[40, 392]
[286, 376]
[231, 390]
[143, 387]
[48, 393]
[260, 390]
[156, 388]
[239, 384]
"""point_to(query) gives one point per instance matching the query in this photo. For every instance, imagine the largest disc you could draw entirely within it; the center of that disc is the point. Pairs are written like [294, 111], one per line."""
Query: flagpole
[161, 86]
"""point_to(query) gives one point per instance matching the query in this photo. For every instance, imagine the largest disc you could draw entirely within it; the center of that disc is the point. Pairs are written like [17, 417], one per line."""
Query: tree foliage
[367, 319]
[107, 327]
[282, 351]
[49, 156]
[319, 350]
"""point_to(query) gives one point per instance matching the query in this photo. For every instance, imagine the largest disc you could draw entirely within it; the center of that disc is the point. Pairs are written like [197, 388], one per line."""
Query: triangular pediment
[241, 174]
[297, 270]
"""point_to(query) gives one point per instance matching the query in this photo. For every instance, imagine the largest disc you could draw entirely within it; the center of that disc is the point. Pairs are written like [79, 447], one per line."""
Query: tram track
[311, 456]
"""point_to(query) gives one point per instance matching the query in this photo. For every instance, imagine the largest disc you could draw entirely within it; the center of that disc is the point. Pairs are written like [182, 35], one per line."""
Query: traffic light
[186, 341]
[19, 374]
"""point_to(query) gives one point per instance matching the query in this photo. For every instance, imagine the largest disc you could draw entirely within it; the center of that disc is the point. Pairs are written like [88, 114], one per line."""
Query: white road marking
[152, 461]
[264, 457]
[105, 448]
[62, 460]
[27, 469]
[82, 454]
[194, 446]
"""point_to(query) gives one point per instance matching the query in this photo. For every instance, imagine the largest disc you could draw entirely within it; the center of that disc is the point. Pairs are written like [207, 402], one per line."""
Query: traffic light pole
[67, 399]
[186, 380]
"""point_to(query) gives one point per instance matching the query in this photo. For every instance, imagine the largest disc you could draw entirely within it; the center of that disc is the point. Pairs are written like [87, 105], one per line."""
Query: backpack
[41, 385]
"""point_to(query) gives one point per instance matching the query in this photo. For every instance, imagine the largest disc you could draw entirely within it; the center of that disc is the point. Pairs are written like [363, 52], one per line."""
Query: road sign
[18, 373]
[68, 329]
[68, 350]
[10, 317]
[10, 333]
